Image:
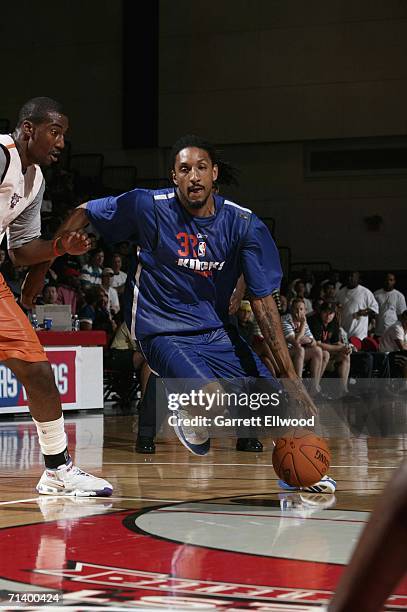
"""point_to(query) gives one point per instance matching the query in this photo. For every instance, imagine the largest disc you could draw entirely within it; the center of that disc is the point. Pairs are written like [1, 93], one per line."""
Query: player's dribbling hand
[298, 392]
[308, 405]
[75, 243]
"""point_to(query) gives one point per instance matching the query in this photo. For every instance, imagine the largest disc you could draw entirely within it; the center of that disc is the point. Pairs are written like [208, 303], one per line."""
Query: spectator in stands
[334, 279]
[124, 250]
[317, 298]
[325, 329]
[103, 317]
[91, 273]
[14, 276]
[124, 352]
[329, 292]
[391, 304]
[299, 290]
[245, 321]
[125, 358]
[302, 345]
[50, 294]
[283, 304]
[395, 336]
[394, 341]
[113, 304]
[69, 289]
[358, 303]
[308, 279]
[120, 277]
[87, 313]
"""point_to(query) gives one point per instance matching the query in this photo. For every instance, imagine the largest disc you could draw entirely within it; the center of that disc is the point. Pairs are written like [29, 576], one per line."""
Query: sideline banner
[13, 397]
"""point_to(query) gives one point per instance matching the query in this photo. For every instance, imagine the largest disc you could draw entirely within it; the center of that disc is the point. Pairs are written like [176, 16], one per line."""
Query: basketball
[301, 458]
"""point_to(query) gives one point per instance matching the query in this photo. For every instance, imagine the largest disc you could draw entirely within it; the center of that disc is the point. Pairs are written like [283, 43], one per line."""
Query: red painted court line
[308, 518]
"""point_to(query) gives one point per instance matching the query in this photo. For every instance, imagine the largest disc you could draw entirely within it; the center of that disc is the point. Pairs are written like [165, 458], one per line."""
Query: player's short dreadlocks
[227, 174]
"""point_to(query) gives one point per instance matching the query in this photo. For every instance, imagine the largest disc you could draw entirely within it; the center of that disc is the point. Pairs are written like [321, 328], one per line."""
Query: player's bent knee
[40, 379]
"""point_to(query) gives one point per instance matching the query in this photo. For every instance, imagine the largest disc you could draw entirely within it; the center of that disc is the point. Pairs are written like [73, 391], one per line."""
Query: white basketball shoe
[195, 439]
[70, 480]
[325, 485]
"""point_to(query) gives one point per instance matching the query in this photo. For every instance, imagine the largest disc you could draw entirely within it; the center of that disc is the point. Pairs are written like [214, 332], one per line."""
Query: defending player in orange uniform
[37, 139]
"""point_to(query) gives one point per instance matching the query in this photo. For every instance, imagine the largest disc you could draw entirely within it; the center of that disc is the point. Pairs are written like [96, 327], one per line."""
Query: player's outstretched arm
[39, 251]
[267, 316]
[380, 558]
[68, 239]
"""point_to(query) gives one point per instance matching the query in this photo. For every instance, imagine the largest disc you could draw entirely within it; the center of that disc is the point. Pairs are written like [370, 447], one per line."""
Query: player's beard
[193, 204]
[197, 204]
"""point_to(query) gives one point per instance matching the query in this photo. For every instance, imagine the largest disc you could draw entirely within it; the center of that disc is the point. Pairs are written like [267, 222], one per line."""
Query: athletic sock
[53, 442]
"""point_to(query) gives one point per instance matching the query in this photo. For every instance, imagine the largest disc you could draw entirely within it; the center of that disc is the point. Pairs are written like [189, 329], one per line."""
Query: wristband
[55, 247]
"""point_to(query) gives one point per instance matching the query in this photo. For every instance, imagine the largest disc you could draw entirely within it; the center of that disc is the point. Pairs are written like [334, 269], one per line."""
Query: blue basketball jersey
[186, 267]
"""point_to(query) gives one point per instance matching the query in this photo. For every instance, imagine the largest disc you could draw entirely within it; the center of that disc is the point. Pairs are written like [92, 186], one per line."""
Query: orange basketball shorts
[18, 340]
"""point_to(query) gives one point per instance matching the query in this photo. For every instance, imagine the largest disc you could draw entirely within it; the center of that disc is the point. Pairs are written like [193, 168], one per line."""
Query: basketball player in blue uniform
[186, 237]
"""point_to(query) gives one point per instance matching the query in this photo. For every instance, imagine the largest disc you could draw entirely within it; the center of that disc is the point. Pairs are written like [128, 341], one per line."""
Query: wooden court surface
[219, 520]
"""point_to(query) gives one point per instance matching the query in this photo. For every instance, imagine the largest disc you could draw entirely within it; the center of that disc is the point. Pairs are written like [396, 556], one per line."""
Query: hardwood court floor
[180, 531]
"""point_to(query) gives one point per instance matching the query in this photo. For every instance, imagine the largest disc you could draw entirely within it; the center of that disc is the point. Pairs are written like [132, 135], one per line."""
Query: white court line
[152, 499]
[178, 463]
[371, 467]
[18, 501]
[149, 499]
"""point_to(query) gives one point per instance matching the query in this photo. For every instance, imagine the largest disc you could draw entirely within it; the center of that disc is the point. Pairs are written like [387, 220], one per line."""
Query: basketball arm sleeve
[27, 226]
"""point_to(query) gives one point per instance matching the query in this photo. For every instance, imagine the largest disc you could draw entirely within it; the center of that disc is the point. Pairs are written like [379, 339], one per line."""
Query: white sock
[52, 436]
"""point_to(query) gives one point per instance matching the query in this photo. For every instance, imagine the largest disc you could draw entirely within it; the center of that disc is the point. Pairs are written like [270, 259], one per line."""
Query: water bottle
[47, 325]
[75, 323]
[34, 321]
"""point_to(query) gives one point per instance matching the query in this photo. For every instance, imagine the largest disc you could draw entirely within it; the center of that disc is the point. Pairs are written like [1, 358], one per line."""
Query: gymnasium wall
[272, 70]
[282, 74]
[70, 51]
[260, 78]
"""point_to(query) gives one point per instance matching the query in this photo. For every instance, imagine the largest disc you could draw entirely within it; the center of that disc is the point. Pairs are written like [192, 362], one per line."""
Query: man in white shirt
[395, 337]
[394, 341]
[391, 304]
[119, 277]
[358, 303]
[113, 303]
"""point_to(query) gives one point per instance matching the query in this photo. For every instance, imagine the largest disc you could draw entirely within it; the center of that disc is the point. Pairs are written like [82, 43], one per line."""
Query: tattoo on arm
[268, 318]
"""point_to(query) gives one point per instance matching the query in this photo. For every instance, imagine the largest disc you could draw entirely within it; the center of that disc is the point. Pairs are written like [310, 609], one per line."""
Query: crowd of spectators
[339, 328]
[333, 324]
[335, 327]
[92, 289]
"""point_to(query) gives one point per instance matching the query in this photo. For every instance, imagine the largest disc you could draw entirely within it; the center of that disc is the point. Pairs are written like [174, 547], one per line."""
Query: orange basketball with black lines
[301, 458]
